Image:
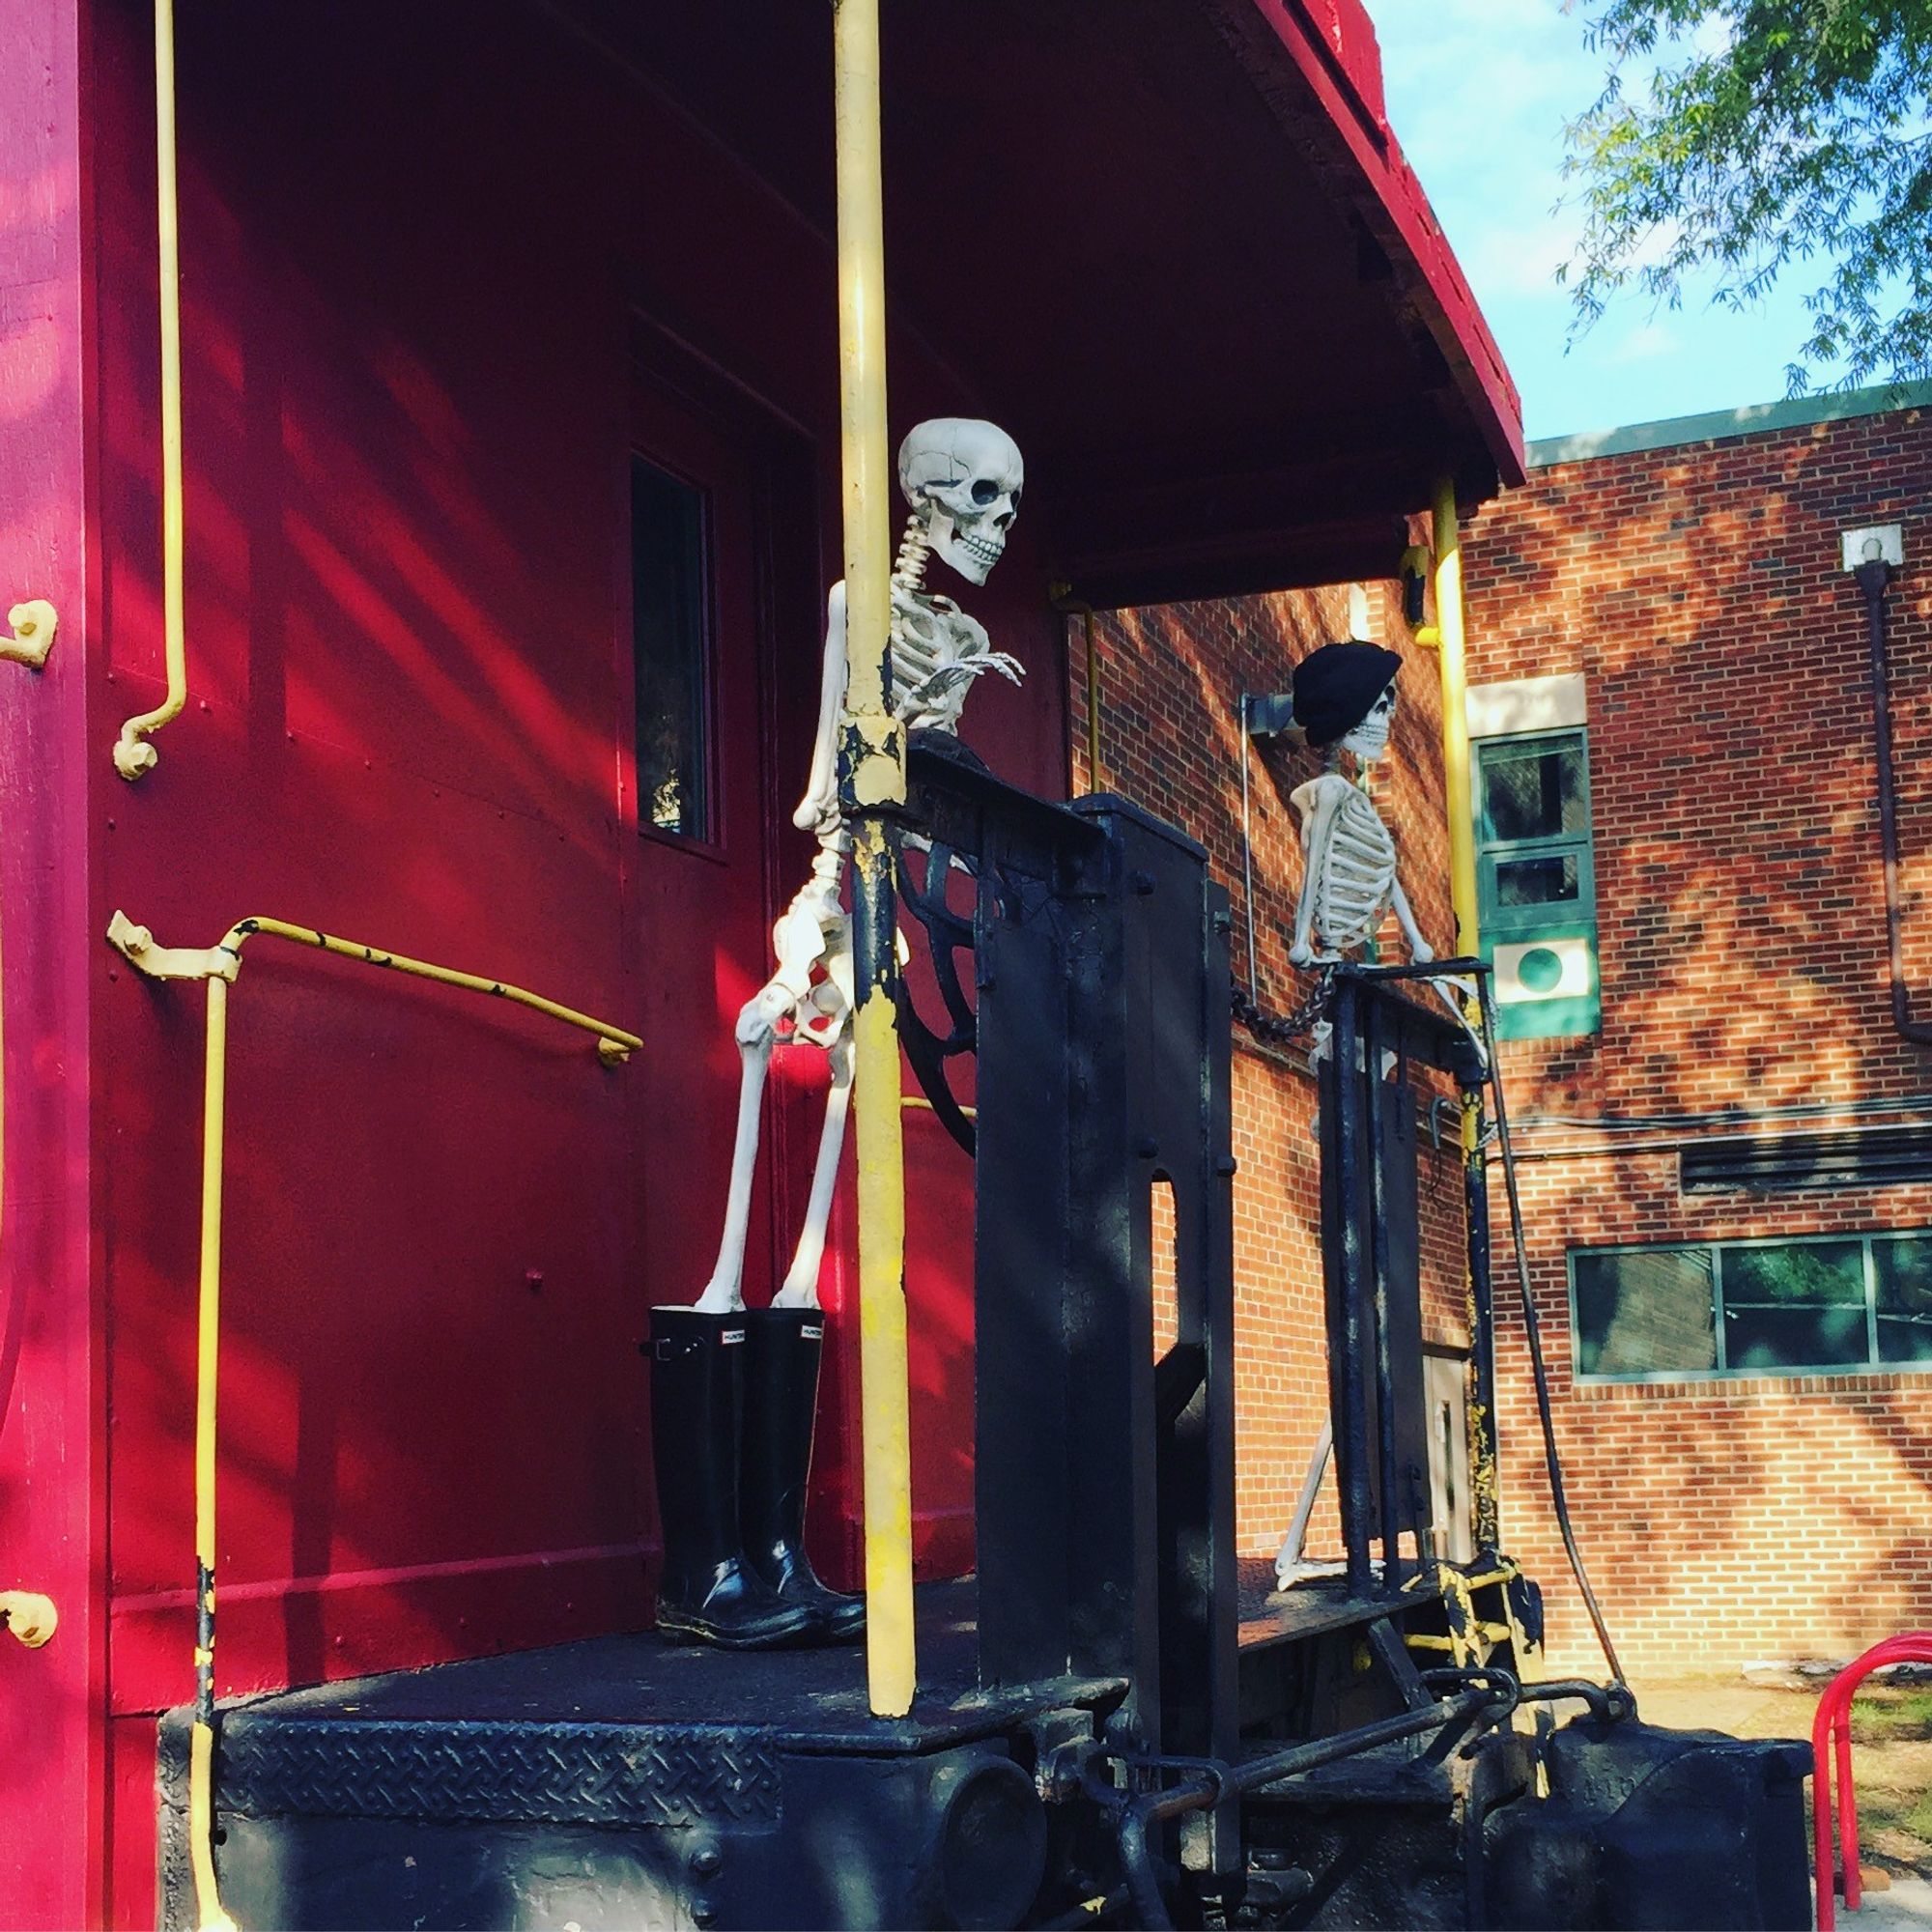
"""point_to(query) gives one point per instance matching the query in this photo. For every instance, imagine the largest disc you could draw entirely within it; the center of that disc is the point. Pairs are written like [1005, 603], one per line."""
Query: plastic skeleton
[1348, 880]
[1347, 884]
[962, 479]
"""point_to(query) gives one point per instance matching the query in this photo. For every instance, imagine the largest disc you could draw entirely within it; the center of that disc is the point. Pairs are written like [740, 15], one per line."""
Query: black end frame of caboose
[1370, 1108]
[1276, 1758]
[1104, 1479]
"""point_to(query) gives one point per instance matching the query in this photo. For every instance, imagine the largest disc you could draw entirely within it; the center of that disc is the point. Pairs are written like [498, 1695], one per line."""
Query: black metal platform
[494, 1791]
[805, 1700]
[1312, 1607]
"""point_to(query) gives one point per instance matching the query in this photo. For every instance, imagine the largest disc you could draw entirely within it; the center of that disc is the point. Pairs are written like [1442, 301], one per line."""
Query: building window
[671, 637]
[1536, 883]
[1753, 1308]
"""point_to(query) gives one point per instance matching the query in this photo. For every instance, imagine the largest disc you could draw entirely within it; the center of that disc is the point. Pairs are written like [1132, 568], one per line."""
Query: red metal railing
[1831, 1749]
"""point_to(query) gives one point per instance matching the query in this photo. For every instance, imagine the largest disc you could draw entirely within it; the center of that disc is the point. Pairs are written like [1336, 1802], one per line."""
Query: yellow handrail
[207, 1360]
[218, 965]
[873, 783]
[132, 753]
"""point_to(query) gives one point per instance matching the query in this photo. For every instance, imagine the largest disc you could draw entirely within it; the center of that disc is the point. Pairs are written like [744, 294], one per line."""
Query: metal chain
[1279, 1029]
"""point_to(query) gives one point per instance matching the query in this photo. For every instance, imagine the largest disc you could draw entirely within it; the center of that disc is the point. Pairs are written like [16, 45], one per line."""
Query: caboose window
[670, 612]
[1808, 1305]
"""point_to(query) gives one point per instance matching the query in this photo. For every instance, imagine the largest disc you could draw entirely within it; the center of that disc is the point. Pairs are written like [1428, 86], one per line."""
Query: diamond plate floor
[802, 1699]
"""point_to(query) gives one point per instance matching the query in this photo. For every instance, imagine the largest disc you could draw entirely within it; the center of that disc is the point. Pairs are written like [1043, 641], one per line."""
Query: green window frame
[1536, 872]
[1714, 1311]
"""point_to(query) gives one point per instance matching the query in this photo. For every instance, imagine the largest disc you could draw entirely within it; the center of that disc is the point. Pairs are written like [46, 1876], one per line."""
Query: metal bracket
[34, 624]
[29, 1615]
[136, 945]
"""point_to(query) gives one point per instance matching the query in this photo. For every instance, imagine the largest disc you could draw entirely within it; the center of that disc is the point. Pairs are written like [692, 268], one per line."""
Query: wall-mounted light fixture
[1266, 717]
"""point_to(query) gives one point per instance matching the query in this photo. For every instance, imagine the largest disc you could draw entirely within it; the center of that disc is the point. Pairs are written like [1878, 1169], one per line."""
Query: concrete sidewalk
[1907, 1907]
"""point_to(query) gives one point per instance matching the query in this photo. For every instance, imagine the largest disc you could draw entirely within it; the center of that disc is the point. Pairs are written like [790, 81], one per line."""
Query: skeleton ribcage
[1353, 876]
[925, 640]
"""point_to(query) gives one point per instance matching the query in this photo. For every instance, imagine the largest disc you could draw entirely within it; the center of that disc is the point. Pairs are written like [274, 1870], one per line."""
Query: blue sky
[1478, 94]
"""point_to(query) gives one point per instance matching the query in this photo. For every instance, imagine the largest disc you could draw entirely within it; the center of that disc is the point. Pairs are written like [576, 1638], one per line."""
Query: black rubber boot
[707, 1592]
[782, 1349]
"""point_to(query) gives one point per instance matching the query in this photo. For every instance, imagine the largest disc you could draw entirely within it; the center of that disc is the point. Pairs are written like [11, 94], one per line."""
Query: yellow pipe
[874, 779]
[1451, 641]
[132, 753]
[1062, 598]
[218, 965]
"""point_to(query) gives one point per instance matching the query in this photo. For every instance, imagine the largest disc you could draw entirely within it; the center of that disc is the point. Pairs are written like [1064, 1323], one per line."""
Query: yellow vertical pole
[208, 1333]
[872, 788]
[1460, 802]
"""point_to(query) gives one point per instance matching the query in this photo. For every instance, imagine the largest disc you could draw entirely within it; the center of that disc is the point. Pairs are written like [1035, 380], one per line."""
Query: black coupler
[1653, 1829]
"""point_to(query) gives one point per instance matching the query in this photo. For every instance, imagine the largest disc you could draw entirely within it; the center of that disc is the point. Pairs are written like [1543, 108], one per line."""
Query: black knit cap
[1336, 687]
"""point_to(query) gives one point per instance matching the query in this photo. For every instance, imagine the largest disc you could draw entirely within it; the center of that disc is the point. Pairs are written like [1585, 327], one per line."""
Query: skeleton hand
[939, 683]
[778, 1012]
[810, 997]
[764, 1014]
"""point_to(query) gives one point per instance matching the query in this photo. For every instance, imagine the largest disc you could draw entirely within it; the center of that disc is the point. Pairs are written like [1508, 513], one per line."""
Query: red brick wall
[1171, 684]
[1742, 925]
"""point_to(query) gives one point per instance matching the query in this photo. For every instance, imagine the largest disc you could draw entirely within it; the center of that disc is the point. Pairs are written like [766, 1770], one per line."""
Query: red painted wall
[423, 248]
[52, 1415]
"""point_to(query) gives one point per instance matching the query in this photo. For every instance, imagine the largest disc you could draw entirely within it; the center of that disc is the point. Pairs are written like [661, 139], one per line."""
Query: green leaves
[1764, 136]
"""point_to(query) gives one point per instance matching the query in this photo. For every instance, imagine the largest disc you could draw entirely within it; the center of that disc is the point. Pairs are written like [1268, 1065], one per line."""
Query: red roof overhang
[1171, 245]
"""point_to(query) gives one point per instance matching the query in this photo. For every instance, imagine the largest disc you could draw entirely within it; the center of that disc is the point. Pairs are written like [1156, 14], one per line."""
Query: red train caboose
[461, 286]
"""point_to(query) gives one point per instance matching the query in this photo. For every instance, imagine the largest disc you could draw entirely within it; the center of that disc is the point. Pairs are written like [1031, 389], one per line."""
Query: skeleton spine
[908, 580]
[915, 547]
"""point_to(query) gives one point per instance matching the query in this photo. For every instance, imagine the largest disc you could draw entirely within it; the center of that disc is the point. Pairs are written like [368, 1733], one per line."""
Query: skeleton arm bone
[1318, 805]
[1419, 948]
[810, 929]
[819, 809]
[1455, 993]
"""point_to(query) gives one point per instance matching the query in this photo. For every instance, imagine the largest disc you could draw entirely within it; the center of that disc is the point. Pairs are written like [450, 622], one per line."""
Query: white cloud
[1644, 344]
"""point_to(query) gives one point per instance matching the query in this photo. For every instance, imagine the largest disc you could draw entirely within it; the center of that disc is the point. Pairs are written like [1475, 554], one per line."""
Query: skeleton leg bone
[811, 992]
[724, 1292]
[800, 1289]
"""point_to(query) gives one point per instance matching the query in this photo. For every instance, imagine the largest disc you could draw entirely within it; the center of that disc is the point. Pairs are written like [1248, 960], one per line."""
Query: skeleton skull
[966, 475]
[1370, 738]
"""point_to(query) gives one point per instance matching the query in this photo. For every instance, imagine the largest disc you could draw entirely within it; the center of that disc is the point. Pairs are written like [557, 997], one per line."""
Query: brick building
[1725, 1139]
[1725, 1144]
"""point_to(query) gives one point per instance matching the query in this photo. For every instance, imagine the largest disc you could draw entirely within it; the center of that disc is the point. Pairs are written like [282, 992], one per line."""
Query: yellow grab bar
[218, 965]
[132, 753]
